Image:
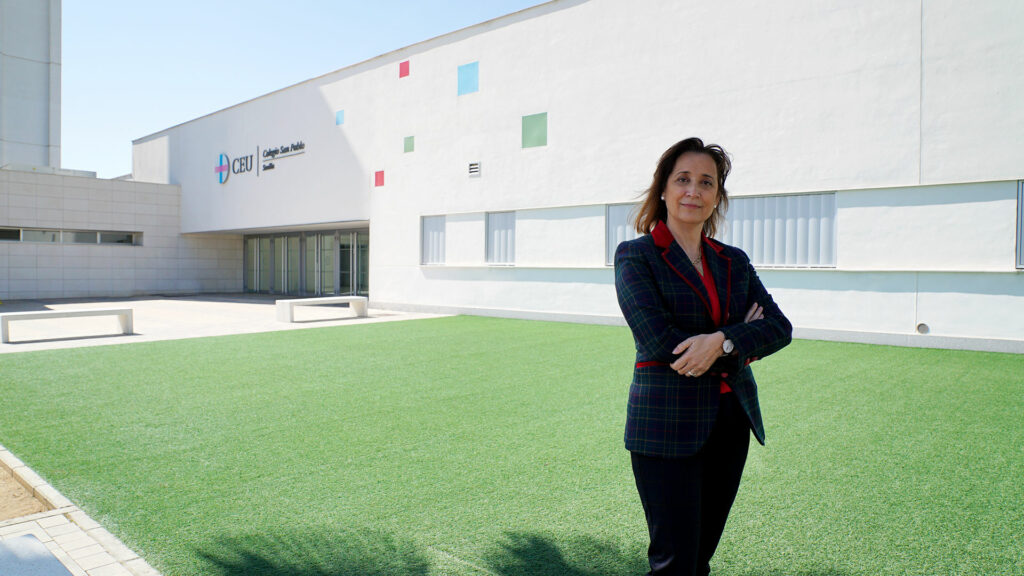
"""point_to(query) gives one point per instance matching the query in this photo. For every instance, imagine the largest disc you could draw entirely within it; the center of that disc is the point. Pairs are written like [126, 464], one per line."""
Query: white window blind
[618, 228]
[1020, 224]
[432, 242]
[795, 230]
[501, 237]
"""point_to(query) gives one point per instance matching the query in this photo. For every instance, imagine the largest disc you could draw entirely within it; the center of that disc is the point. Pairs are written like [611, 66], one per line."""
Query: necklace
[697, 262]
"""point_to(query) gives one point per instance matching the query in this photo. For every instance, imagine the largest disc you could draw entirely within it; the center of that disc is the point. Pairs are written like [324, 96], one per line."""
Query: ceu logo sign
[226, 166]
[222, 169]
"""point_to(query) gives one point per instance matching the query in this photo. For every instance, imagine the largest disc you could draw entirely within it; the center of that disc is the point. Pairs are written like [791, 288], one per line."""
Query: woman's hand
[698, 353]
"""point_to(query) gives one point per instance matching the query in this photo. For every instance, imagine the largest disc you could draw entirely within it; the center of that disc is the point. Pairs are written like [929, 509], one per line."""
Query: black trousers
[687, 500]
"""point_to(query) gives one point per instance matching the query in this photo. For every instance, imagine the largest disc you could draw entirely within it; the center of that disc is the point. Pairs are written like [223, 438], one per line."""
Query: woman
[699, 316]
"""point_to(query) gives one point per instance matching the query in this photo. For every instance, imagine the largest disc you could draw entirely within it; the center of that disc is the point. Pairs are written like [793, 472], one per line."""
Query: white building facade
[876, 146]
[30, 83]
[66, 233]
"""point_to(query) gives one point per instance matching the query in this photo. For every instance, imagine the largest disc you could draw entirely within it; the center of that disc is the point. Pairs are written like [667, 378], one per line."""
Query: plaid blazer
[664, 302]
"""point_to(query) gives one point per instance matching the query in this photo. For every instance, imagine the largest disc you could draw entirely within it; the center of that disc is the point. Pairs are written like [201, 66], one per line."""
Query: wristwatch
[727, 347]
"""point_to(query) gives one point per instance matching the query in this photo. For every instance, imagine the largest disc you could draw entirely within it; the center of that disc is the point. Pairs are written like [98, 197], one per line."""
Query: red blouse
[716, 313]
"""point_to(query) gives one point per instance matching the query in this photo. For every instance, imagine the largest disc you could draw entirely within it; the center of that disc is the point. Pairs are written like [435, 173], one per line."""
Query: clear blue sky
[134, 67]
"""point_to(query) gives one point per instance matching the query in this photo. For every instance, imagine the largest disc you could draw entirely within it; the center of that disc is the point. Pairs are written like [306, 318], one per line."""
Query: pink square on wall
[378, 178]
[403, 69]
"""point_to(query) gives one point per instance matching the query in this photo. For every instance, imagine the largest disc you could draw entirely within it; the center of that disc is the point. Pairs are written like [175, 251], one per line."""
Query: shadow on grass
[532, 555]
[779, 572]
[324, 552]
[316, 553]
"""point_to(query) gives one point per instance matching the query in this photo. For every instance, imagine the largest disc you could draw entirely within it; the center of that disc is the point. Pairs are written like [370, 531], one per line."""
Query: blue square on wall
[339, 117]
[469, 78]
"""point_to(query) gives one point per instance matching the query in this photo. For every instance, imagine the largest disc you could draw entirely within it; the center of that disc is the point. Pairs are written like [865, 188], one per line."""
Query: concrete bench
[124, 316]
[286, 308]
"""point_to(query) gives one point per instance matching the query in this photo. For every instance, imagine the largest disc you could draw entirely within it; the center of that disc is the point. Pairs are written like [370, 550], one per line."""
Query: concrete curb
[80, 543]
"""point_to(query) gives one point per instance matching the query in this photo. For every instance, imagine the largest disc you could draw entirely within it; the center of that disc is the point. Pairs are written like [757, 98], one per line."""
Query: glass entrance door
[292, 264]
[328, 278]
[311, 263]
[345, 269]
[354, 262]
[251, 271]
[362, 267]
[266, 263]
[311, 270]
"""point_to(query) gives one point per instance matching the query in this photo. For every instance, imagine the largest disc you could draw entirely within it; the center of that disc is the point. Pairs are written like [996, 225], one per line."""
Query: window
[70, 236]
[1020, 224]
[432, 240]
[535, 130]
[618, 228]
[501, 237]
[795, 230]
[409, 144]
[117, 238]
[77, 237]
[469, 78]
[40, 235]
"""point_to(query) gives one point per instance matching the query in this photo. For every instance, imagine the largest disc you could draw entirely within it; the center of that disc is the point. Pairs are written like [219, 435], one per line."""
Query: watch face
[727, 346]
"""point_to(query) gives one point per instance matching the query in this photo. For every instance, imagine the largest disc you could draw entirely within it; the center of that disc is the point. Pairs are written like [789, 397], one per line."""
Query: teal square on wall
[339, 117]
[535, 130]
[469, 78]
[410, 143]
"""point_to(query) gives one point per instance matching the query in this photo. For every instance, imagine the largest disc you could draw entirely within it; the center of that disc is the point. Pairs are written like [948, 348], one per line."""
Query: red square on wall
[378, 178]
[403, 69]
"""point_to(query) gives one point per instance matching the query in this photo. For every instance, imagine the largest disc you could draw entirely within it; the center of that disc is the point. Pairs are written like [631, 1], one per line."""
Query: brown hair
[653, 208]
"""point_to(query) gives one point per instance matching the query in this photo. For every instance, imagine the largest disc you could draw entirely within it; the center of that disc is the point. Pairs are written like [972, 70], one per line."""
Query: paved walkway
[171, 318]
[83, 546]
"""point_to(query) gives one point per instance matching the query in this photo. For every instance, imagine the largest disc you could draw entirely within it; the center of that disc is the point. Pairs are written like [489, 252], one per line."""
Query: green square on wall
[410, 143]
[535, 130]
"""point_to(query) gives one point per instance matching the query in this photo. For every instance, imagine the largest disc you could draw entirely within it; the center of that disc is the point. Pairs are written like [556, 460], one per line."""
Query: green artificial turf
[472, 446]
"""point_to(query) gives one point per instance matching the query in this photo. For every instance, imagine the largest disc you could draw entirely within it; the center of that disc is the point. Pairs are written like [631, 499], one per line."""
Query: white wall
[30, 82]
[832, 96]
[955, 227]
[166, 262]
[954, 305]
[462, 239]
[325, 183]
[972, 78]
[559, 268]
[561, 237]
[907, 109]
[806, 99]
